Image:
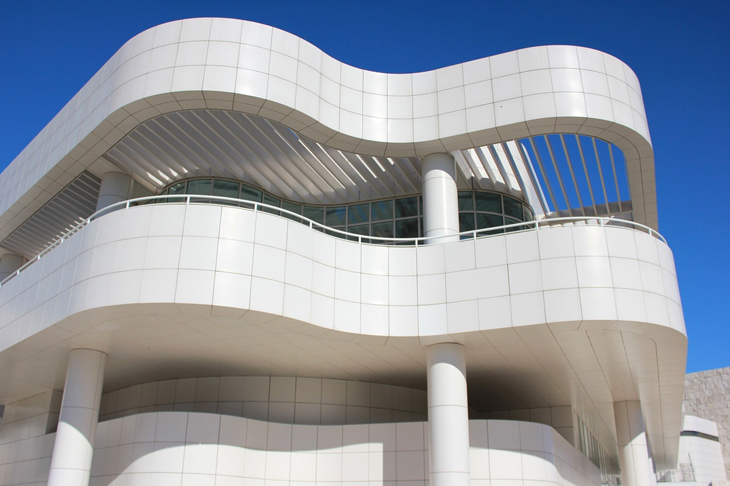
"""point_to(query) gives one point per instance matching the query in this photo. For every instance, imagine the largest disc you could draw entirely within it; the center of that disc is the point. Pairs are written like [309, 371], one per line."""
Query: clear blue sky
[679, 50]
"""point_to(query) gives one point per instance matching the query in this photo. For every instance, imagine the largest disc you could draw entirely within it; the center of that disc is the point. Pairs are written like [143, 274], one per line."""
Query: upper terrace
[561, 128]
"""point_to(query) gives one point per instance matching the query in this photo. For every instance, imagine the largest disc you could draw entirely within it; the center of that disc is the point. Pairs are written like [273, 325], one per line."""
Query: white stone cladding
[226, 314]
[280, 399]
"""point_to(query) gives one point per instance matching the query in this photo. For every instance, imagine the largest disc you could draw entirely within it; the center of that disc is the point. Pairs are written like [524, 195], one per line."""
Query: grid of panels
[387, 218]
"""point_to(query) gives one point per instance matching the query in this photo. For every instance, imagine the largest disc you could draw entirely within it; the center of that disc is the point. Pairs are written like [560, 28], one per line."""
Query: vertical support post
[448, 415]
[115, 187]
[440, 198]
[633, 453]
[74, 446]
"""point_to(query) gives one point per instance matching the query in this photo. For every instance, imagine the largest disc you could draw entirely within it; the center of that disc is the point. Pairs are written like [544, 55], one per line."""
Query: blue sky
[679, 50]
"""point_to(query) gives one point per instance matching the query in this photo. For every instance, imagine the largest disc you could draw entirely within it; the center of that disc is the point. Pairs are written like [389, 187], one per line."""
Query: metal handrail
[257, 206]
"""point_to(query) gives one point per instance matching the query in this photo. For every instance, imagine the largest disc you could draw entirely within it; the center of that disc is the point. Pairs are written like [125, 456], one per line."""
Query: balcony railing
[188, 199]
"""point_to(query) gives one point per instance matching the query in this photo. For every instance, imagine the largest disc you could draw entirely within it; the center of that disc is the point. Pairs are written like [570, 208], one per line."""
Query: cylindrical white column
[448, 415]
[9, 264]
[633, 453]
[440, 198]
[115, 187]
[74, 446]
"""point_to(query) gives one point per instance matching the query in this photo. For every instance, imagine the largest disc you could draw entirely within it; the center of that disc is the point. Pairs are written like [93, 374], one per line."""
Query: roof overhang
[248, 69]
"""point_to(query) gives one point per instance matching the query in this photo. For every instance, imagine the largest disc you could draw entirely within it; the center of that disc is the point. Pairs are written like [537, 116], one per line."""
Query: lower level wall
[26, 439]
[204, 449]
[210, 449]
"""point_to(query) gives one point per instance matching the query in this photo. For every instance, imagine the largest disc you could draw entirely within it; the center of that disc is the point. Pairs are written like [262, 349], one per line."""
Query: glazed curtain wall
[388, 218]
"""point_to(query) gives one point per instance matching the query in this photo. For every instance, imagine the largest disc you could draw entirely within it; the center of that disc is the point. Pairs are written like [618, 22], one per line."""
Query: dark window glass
[381, 210]
[271, 200]
[294, 208]
[226, 189]
[314, 213]
[489, 221]
[466, 222]
[361, 229]
[527, 214]
[336, 234]
[178, 188]
[358, 213]
[466, 201]
[406, 207]
[406, 228]
[383, 230]
[512, 207]
[513, 221]
[200, 186]
[335, 216]
[250, 193]
[489, 202]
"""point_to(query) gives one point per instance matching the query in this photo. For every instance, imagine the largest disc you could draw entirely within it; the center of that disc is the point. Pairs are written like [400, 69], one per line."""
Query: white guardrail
[188, 199]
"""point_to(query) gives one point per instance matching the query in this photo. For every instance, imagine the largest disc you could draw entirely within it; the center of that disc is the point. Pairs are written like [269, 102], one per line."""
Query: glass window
[513, 221]
[358, 213]
[383, 230]
[289, 206]
[489, 202]
[466, 222]
[512, 207]
[314, 213]
[406, 207]
[335, 216]
[466, 201]
[200, 186]
[250, 193]
[381, 210]
[271, 200]
[178, 188]
[527, 214]
[406, 228]
[294, 208]
[361, 229]
[488, 221]
[225, 188]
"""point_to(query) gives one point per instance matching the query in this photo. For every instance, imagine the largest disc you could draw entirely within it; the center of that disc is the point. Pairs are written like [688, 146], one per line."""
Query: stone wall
[707, 395]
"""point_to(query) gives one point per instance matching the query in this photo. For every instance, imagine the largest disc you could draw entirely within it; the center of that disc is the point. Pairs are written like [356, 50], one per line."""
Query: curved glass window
[399, 217]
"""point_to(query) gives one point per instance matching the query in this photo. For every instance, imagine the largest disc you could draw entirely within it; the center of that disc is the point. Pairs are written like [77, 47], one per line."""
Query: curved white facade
[549, 327]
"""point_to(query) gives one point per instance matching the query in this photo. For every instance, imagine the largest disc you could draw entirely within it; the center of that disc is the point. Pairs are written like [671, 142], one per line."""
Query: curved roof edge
[248, 67]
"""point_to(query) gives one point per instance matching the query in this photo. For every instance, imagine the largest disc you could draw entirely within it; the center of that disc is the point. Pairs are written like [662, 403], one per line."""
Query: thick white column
[633, 453]
[74, 447]
[440, 198]
[9, 264]
[115, 187]
[448, 415]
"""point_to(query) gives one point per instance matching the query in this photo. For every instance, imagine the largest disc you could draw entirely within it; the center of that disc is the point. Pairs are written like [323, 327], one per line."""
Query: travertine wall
[707, 395]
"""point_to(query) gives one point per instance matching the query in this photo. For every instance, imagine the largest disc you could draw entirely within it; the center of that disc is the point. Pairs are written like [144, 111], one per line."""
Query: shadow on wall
[166, 445]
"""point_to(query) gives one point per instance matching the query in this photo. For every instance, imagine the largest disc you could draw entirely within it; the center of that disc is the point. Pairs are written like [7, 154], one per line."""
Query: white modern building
[234, 260]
